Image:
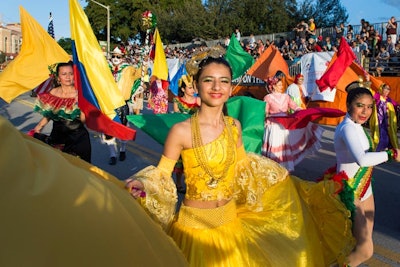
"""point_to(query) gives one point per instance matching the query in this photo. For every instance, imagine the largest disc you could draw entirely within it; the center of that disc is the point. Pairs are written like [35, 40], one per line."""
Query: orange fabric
[268, 64]
[394, 83]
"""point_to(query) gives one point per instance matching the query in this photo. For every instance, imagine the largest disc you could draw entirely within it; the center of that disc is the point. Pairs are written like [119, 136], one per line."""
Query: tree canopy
[183, 20]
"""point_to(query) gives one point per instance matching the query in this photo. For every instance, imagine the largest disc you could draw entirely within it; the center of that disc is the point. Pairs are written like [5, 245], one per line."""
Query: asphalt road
[145, 151]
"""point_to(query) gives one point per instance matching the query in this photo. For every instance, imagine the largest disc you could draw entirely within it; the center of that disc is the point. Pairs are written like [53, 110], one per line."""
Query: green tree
[329, 13]
[183, 20]
[66, 44]
[125, 18]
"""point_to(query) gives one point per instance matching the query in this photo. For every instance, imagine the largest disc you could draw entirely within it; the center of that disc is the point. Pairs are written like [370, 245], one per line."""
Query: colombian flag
[99, 95]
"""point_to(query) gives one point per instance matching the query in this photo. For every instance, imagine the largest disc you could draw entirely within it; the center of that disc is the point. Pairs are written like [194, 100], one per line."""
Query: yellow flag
[90, 55]
[30, 68]
[160, 68]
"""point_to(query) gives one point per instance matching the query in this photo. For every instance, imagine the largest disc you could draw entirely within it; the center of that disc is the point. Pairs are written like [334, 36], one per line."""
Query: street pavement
[145, 151]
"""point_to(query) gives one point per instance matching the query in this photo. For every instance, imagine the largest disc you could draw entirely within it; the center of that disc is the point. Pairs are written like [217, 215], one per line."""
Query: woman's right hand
[397, 158]
[135, 187]
[37, 128]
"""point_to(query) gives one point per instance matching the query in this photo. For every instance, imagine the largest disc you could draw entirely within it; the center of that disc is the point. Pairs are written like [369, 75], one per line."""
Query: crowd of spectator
[382, 50]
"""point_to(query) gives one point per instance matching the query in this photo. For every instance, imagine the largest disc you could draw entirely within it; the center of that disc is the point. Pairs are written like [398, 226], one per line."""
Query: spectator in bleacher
[327, 44]
[349, 30]
[267, 44]
[349, 38]
[363, 47]
[312, 29]
[382, 60]
[286, 54]
[301, 30]
[364, 33]
[354, 46]
[293, 45]
[390, 46]
[313, 46]
[227, 41]
[252, 41]
[391, 29]
[339, 30]
[371, 40]
[260, 47]
[238, 34]
[285, 45]
[377, 40]
[303, 47]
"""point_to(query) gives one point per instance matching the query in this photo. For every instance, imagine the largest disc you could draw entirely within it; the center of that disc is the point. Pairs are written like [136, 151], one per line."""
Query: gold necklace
[200, 154]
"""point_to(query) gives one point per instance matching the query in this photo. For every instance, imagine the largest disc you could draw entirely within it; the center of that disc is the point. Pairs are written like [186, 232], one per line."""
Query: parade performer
[383, 121]
[158, 97]
[355, 159]
[60, 105]
[286, 146]
[186, 102]
[239, 209]
[298, 92]
[124, 75]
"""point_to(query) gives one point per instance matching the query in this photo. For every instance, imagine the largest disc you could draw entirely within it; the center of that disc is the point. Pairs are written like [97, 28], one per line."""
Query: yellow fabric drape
[160, 69]
[30, 67]
[58, 210]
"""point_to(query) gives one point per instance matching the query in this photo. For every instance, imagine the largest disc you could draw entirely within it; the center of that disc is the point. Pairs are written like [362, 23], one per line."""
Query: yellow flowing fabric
[30, 68]
[273, 219]
[58, 210]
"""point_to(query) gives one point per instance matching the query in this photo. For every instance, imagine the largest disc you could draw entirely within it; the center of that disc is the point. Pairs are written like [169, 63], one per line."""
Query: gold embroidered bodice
[197, 179]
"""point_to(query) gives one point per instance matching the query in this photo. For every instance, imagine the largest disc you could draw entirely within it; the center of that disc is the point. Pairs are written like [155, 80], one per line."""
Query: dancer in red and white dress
[283, 143]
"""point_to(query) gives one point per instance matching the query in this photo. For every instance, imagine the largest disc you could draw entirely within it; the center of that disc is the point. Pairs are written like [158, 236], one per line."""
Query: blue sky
[373, 11]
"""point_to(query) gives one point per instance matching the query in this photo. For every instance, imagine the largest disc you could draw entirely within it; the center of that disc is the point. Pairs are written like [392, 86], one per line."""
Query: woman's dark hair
[180, 92]
[59, 65]
[64, 64]
[355, 93]
[280, 75]
[207, 61]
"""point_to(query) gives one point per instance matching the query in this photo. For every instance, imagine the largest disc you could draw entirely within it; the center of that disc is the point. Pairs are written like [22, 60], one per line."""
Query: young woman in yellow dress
[240, 209]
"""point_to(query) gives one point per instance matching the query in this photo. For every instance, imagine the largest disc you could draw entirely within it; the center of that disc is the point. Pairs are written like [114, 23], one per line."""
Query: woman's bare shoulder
[180, 130]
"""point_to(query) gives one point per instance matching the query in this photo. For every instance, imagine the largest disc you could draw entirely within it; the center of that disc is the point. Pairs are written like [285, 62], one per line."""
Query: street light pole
[108, 25]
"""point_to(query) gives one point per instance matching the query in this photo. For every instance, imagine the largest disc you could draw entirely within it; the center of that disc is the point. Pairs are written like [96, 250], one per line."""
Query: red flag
[301, 118]
[268, 64]
[345, 56]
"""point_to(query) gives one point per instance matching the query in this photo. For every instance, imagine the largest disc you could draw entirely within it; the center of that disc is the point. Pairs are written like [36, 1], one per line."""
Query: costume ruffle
[56, 108]
[274, 219]
[184, 107]
[290, 146]
[161, 197]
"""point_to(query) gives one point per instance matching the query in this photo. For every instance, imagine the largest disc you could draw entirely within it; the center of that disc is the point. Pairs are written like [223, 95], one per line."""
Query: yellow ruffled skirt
[302, 224]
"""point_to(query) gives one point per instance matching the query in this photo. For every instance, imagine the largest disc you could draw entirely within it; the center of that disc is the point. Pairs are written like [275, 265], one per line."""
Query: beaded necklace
[200, 153]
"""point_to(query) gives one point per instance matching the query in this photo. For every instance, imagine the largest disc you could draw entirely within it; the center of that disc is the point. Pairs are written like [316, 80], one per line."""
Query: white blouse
[351, 147]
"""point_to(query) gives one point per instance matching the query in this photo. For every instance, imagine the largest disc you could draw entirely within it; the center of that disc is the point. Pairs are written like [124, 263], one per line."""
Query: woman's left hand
[135, 187]
[396, 155]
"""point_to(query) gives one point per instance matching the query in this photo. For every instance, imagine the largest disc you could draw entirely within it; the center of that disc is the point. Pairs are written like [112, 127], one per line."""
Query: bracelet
[392, 154]
[389, 152]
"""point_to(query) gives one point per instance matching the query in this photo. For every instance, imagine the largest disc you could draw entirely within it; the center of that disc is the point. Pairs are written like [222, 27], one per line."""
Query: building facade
[10, 39]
